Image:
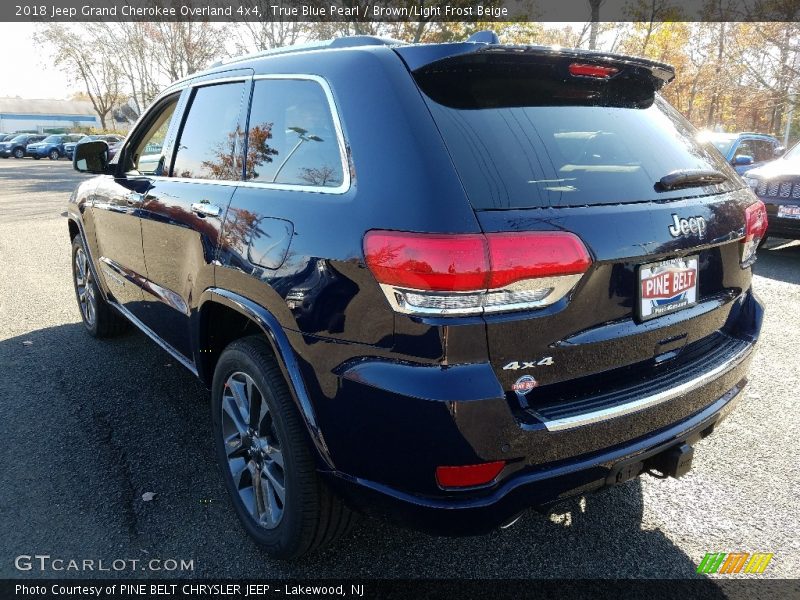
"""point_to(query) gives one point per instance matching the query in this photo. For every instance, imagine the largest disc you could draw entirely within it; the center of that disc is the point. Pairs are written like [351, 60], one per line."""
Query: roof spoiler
[423, 57]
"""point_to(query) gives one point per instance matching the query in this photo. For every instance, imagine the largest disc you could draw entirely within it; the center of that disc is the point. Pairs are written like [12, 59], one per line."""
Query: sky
[26, 73]
[30, 73]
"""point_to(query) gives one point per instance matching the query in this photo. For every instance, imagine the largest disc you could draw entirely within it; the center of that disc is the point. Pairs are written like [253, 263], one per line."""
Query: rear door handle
[206, 209]
[134, 199]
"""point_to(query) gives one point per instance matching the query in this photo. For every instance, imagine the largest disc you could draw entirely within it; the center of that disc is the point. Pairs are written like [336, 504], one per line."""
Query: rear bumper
[479, 514]
[391, 424]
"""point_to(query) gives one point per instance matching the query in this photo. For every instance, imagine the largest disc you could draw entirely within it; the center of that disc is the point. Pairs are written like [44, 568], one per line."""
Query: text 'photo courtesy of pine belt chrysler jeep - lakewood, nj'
[436, 283]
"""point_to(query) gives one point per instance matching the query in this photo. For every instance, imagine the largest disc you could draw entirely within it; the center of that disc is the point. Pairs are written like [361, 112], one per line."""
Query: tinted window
[762, 150]
[744, 149]
[209, 142]
[554, 144]
[147, 156]
[291, 137]
[53, 139]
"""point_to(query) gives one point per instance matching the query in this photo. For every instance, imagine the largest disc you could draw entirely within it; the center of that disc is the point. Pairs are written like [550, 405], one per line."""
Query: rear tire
[99, 318]
[264, 453]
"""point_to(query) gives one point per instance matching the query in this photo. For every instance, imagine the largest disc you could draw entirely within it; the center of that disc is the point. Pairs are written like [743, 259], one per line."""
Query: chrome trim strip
[559, 286]
[646, 402]
[337, 125]
[154, 336]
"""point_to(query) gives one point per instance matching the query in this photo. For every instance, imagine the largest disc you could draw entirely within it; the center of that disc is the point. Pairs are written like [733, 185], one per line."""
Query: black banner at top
[398, 10]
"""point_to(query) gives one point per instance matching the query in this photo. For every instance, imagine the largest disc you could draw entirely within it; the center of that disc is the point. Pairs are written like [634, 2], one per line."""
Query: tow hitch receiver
[674, 462]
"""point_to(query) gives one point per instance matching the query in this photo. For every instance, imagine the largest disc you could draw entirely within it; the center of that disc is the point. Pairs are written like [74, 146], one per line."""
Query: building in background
[45, 116]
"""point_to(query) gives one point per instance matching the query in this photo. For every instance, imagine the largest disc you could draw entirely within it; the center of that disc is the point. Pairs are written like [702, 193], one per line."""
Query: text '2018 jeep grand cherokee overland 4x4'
[441, 283]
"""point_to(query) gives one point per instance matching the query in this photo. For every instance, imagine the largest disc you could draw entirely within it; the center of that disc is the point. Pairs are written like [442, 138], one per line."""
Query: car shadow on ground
[123, 418]
[779, 259]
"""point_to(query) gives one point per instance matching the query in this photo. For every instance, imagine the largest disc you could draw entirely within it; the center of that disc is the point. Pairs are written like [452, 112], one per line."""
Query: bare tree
[91, 66]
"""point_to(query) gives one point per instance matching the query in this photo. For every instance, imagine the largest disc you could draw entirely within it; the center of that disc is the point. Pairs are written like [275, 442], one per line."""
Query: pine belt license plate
[788, 212]
[667, 286]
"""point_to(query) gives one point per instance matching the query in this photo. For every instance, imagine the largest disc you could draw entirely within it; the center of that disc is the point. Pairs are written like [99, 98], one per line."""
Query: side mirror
[780, 151]
[742, 160]
[90, 157]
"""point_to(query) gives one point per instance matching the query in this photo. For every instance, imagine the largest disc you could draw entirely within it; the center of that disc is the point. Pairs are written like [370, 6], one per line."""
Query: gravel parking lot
[89, 426]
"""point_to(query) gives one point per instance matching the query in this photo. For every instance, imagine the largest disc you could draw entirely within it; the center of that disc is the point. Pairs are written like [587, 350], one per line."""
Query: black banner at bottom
[229, 589]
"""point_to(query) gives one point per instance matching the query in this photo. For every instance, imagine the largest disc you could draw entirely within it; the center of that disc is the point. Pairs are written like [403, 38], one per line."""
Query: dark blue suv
[437, 283]
[52, 146]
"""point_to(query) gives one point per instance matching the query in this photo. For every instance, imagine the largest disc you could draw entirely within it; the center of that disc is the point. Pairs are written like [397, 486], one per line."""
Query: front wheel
[54, 155]
[265, 456]
[19, 153]
[99, 318]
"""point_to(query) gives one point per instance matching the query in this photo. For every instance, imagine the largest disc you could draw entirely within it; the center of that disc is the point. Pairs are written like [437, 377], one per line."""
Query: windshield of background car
[723, 146]
[52, 139]
[526, 137]
[794, 153]
[20, 138]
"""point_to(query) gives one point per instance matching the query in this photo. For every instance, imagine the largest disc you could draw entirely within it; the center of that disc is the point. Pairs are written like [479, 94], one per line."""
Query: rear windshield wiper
[684, 178]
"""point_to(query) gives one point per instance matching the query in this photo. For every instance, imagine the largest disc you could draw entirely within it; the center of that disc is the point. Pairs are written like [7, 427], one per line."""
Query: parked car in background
[52, 146]
[6, 136]
[17, 146]
[108, 138]
[777, 184]
[745, 151]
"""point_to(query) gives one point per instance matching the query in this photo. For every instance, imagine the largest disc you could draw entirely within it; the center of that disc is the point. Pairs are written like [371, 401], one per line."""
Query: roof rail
[351, 41]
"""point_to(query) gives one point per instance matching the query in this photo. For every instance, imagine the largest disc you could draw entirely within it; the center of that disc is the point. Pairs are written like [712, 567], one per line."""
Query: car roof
[419, 55]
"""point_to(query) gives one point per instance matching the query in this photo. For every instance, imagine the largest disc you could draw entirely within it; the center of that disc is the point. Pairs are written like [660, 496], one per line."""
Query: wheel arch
[254, 318]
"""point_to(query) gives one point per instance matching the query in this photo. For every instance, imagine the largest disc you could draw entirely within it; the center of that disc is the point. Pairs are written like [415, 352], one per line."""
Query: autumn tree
[94, 68]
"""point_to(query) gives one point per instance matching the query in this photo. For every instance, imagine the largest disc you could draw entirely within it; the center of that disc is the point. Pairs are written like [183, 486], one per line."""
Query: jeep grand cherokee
[440, 283]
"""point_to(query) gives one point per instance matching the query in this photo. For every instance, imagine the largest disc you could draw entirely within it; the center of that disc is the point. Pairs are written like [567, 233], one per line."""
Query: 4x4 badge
[516, 365]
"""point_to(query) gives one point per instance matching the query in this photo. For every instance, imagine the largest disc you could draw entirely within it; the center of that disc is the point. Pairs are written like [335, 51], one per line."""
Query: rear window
[524, 138]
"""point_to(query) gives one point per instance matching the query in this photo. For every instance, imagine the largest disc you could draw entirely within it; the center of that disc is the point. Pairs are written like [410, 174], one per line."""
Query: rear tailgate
[568, 141]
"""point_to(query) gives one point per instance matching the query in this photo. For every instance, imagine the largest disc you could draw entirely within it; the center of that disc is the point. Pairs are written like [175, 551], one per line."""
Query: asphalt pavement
[88, 427]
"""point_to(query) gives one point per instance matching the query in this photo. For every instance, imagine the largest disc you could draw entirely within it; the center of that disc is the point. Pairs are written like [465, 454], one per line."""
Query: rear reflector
[596, 71]
[468, 476]
[755, 217]
[474, 273]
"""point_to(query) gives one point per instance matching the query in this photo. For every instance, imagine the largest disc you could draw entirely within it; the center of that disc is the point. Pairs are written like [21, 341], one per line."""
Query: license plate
[788, 212]
[667, 286]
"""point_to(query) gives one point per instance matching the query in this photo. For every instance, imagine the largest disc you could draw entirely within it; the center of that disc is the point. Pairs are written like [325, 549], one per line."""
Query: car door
[182, 214]
[115, 211]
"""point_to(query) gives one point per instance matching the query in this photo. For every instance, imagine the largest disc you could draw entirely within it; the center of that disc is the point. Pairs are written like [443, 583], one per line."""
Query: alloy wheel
[84, 287]
[252, 450]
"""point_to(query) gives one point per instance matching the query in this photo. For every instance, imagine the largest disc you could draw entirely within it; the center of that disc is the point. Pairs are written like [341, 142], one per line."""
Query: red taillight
[597, 71]
[427, 262]
[469, 475]
[473, 273]
[517, 256]
[755, 228]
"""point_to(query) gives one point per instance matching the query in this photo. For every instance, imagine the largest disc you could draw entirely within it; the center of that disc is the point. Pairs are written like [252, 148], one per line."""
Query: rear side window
[523, 138]
[291, 136]
[762, 150]
[209, 141]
